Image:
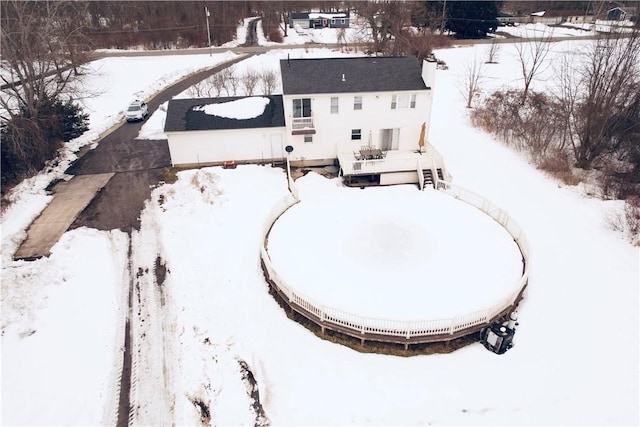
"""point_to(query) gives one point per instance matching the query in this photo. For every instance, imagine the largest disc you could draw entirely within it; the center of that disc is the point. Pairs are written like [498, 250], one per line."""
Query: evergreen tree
[29, 141]
[427, 14]
[472, 18]
[68, 121]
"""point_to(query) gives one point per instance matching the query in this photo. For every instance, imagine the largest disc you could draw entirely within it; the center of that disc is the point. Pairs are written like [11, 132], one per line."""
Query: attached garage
[212, 131]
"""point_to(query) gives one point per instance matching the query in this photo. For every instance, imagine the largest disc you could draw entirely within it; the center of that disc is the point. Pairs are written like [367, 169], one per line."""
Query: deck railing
[329, 316]
[351, 166]
[302, 123]
[394, 161]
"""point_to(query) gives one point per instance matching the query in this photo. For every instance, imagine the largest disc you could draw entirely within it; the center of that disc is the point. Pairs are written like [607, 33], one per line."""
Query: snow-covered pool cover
[424, 256]
[241, 109]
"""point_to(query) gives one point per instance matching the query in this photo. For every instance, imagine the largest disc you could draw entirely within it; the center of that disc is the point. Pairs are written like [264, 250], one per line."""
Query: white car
[137, 110]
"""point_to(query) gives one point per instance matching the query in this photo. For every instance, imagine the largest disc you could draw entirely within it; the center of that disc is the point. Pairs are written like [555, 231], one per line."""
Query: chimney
[429, 72]
[288, 63]
[343, 79]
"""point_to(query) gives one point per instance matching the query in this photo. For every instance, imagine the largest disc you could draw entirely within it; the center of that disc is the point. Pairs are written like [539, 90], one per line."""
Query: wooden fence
[402, 331]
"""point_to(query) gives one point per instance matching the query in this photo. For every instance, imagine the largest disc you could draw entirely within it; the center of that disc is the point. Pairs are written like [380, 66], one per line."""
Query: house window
[357, 103]
[356, 134]
[403, 101]
[342, 21]
[334, 105]
[308, 139]
[389, 139]
[302, 107]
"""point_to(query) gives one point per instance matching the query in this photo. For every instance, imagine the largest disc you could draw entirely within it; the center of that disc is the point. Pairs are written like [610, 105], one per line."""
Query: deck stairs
[428, 178]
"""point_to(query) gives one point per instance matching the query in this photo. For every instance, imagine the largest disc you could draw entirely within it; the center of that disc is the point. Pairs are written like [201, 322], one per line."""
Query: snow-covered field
[541, 30]
[211, 320]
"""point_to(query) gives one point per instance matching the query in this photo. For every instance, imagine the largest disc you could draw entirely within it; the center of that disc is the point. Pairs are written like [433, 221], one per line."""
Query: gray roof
[299, 15]
[181, 115]
[367, 74]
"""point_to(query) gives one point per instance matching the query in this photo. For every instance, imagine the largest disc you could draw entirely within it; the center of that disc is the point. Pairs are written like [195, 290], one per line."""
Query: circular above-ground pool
[393, 253]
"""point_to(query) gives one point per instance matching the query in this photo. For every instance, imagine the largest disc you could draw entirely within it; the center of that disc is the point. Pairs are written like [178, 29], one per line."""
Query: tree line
[587, 126]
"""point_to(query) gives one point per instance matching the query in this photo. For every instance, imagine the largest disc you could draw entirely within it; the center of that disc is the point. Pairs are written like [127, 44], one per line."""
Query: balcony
[302, 126]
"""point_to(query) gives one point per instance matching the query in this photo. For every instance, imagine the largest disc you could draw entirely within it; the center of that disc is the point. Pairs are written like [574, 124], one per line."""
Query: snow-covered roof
[240, 109]
[225, 113]
[319, 15]
[323, 15]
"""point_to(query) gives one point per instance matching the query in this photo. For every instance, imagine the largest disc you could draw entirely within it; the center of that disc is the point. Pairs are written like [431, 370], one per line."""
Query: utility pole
[206, 11]
[444, 13]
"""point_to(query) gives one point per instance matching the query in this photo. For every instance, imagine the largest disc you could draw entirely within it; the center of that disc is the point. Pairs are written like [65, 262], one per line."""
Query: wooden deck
[383, 338]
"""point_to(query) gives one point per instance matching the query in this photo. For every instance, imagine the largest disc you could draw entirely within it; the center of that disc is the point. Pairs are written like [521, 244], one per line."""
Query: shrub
[632, 218]
[557, 163]
[422, 45]
[533, 126]
[275, 35]
[29, 142]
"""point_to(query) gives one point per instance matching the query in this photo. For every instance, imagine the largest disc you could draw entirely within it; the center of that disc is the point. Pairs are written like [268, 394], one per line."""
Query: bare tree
[567, 92]
[268, 81]
[385, 22]
[227, 73]
[195, 90]
[233, 81]
[43, 45]
[250, 80]
[342, 40]
[39, 40]
[492, 51]
[603, 108]
[531, 55]
[471, 79]
[218, 82]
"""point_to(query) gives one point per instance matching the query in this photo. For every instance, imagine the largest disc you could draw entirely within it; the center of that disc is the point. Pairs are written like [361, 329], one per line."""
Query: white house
[367, 115]
[319, 19]
[348, 108]
[559, 17]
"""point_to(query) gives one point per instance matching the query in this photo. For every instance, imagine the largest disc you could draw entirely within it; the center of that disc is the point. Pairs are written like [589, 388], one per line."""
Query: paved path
[139, 166]
[69, 199]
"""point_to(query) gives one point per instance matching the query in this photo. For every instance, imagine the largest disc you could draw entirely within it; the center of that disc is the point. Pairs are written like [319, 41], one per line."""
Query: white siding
[205, 147]
[399, 178]
[303, 23]
[376, 114]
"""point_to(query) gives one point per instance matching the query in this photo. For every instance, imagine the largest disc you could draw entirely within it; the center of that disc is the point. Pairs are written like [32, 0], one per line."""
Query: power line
[143, 30]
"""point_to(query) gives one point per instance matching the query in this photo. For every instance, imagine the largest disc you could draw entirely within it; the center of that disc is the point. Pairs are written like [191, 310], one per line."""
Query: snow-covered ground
[210, 320]
[565, 30]
[541, 30]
